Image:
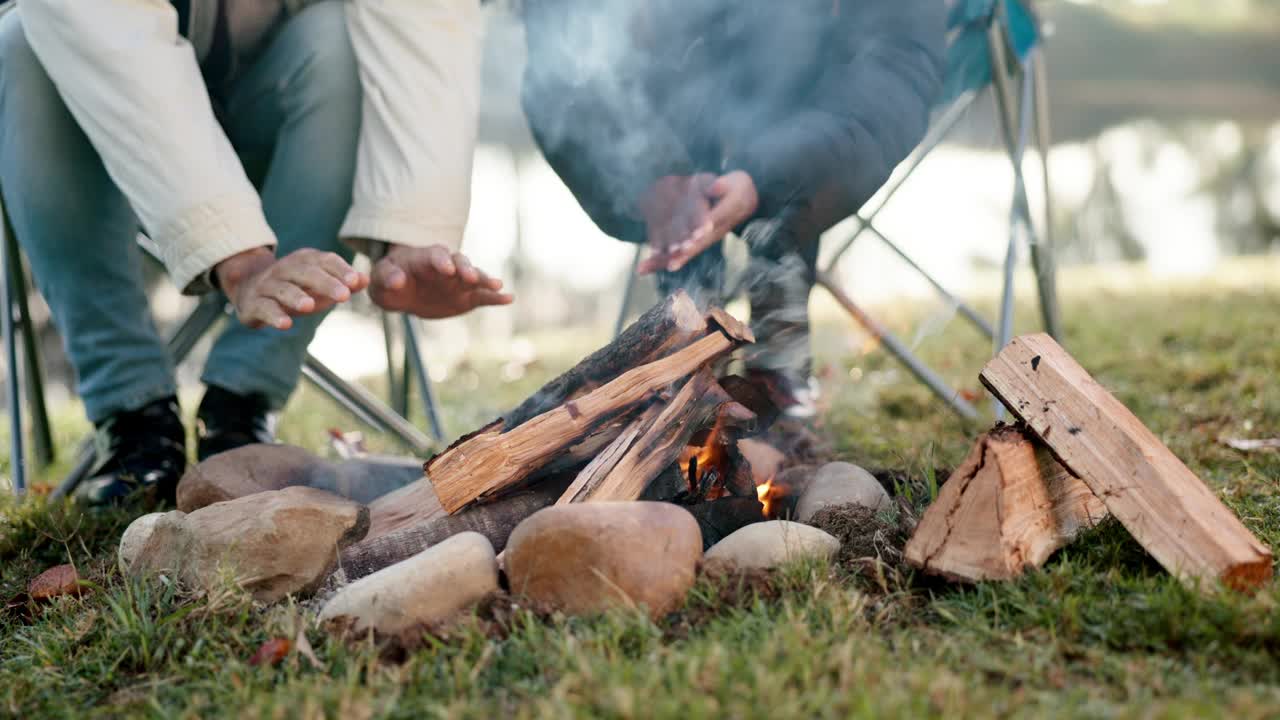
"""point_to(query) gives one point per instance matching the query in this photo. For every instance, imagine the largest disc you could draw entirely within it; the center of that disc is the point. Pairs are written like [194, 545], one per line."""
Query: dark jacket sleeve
[867, 111]
[596, 131]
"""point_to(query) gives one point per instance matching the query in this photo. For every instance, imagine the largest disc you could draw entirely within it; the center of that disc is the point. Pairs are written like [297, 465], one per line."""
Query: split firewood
[654, 441]
[495, 521]
[492, 461]
[667, 327]
[1007, 508]
[602, 464]
[1166, 508]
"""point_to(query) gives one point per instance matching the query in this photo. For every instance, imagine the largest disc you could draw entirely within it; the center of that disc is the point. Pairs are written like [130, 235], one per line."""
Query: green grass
[1101, 631]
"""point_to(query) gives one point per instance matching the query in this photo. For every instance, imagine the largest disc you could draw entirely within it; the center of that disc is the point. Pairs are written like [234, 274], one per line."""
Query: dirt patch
[870, 540]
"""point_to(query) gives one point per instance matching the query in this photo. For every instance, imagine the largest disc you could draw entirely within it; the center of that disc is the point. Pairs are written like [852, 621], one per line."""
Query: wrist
[233, 271]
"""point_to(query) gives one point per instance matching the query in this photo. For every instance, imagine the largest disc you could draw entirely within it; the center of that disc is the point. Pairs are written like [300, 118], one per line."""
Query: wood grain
[1007, 508]
[1166, 508]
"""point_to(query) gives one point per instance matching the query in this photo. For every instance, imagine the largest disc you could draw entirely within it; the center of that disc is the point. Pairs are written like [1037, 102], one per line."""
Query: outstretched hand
[432, 283]
[270, 292]
[697, 223]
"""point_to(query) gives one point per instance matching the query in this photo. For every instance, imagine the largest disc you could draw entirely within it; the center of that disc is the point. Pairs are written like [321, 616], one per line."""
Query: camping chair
[996, 44]
[18, 328]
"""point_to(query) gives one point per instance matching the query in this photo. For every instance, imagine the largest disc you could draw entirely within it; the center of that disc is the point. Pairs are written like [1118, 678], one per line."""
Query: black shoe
[226, 421]
[143, 455]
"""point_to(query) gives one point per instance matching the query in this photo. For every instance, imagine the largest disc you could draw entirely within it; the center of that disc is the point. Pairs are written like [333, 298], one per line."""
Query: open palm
[433, 283]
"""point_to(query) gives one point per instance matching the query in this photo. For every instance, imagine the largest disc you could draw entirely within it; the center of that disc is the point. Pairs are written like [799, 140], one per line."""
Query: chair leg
[1042, 255]
[366, 406]
[1015, 119]
[961, 306]
[419, 365]
[626, 293]
[86, 460]
[900, 350]
[17, 453]
[32, 368]
[211, 309]
[399, 400]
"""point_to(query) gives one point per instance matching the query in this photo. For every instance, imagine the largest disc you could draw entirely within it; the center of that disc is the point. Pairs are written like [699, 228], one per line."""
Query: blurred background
[1165, 169]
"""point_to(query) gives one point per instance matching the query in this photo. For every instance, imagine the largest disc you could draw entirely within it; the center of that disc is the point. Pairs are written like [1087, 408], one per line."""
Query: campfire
[547, 492]
[651, 416]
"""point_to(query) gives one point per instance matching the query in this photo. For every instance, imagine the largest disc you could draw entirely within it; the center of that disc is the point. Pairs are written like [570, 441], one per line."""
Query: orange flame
[765, 493]
[696, 461]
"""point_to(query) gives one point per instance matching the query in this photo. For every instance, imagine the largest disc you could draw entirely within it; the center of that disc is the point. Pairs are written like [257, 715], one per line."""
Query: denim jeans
[297, 103]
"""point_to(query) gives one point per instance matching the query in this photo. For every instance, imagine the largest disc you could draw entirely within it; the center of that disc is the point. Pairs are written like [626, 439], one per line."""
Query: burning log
[667, 327]
[495, 521]
[1166, 508]
[491, 461]
[653, 442]
[718, 519]
[1008, 507]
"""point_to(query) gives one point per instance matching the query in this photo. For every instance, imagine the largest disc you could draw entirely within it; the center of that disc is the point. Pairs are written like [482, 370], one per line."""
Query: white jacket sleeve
[134, 86]
[420, 70]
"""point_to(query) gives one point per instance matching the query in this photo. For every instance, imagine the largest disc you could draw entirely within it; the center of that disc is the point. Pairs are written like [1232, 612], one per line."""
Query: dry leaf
[272, 652]
[55, 582]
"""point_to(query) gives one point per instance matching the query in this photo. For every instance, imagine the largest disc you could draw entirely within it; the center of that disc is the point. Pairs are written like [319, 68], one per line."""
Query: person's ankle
[227, 420]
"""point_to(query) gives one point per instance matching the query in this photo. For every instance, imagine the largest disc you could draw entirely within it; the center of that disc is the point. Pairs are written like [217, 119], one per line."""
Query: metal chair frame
[1020, 92]
[18, 329]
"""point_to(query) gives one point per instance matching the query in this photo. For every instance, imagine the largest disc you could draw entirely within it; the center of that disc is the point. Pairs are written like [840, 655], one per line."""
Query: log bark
[491, 462]
[1166, 508]
[495, 521]
[653, 442]
[1007, 508]
[667, 327]
[410, 505]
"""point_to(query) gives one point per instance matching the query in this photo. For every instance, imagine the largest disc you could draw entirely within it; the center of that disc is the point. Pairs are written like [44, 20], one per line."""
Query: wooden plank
[1166, 508]
[1007, 508]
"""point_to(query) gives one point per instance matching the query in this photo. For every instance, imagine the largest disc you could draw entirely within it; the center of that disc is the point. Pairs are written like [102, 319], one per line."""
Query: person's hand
[732, 199]
[268, 292]
[432, 283]
[673, 208]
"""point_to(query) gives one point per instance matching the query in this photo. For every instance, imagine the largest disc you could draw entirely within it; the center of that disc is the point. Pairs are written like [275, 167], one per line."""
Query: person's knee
[329, 77]
[24, 84]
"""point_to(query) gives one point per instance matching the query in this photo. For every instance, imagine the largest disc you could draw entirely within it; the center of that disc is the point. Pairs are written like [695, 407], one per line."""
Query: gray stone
[841, 483]
[767, 545]
[134, 538]
[589, 557]
[427, 589]
[272, 543]
[258, 468]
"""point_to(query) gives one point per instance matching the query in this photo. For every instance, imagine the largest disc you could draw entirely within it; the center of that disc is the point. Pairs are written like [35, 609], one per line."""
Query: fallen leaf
[272, 652]
[55, 582]
[972, 396]
[1252, 445]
